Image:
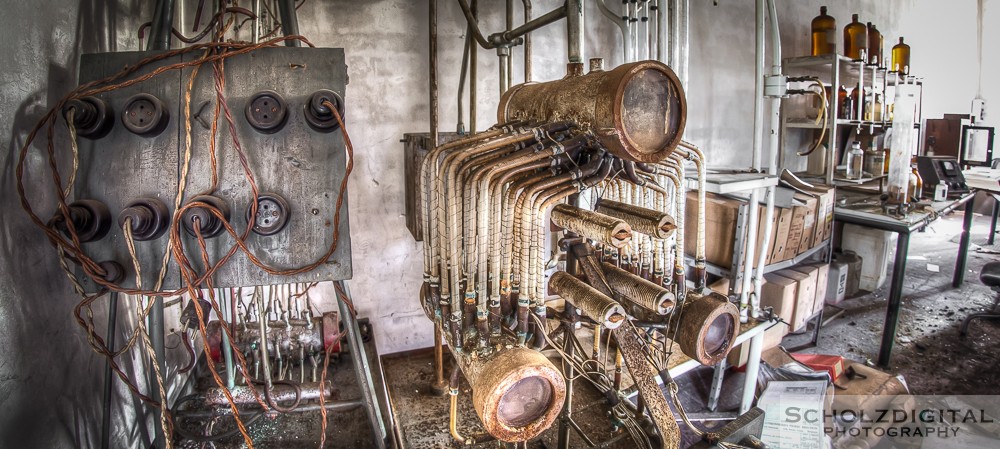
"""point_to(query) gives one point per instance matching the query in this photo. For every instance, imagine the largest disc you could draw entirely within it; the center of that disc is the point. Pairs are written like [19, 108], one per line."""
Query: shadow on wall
[50, 381]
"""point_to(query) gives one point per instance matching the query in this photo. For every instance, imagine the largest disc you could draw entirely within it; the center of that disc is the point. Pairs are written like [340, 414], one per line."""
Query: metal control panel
[290, 143]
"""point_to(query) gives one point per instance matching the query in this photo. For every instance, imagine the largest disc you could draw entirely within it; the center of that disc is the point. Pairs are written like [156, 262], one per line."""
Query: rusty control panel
[142, 143]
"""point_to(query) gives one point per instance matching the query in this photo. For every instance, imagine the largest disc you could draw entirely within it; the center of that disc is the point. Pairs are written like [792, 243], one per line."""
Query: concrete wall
[50, 381]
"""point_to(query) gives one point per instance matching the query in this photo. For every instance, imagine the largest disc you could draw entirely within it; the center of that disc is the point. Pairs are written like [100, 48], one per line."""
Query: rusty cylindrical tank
[707, 327]
[517, 392]
[637, 110]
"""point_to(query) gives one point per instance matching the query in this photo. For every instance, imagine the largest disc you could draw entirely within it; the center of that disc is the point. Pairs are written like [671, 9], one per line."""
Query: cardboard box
[819, 272]
[804, 296]
[794, 232]
[824, 215]
[779, 293]
[836, 289]
[720, 227]
[783, 217]
[808, 222]
[739, 355]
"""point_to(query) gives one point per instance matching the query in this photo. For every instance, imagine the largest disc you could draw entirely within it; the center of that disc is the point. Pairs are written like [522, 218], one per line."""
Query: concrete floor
[928, 354]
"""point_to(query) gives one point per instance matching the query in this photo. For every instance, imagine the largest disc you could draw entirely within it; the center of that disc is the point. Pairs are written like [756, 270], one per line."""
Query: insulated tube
[699, 258]
[639, 291]
[592, 225]
[602, 309]
[642, 220]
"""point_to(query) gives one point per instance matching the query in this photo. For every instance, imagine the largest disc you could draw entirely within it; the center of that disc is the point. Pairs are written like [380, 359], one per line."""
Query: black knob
[92, 117]
[319, 115]
[201, 216]
[91, 220]
[272, 214]
[145, 115]
[150, 218]
[266, 111]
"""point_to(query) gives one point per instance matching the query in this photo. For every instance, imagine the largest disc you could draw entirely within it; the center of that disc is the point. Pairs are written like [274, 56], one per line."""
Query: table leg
[993, 221]
[895, 299]
[963, 247]
[753, 369]
[716, 391]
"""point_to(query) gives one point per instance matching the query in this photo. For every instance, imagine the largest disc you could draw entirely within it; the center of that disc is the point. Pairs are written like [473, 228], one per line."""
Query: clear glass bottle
[874, 45]
[855, 161]
[874, 162]
[855, 39]
[824, 34]
[877, 108]
[900, 57]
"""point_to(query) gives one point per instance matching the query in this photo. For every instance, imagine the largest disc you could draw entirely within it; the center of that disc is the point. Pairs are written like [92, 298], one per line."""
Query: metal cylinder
[637, 110]
[517, 393]
[280, 392]
[592, 225]
[707, 327]
[639, 291]
[646, 221]
[596, 305]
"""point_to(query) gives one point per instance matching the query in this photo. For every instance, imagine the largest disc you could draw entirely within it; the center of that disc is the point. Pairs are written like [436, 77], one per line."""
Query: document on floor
[793, 414]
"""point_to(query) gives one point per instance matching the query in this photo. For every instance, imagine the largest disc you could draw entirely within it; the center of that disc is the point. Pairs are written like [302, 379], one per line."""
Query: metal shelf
[811, 124]
[724, 272]
[723, 182]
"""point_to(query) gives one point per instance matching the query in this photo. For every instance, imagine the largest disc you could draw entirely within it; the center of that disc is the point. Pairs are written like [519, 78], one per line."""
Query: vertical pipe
[574, 30]
[527, 42]
[473, 68]
[683, 33]
[255, 34]
[758, 143]
[227, 350]
[163, 22]
[503, 58]
[752, 370]
[155, 326]
[563, 441]
[432, 76]
[108, 375]
[289, 21]
[662, 49]
[510, 26]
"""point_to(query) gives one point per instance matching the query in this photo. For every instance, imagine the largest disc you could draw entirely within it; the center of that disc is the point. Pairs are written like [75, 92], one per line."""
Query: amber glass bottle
[855, 39]
[824, 33]
[901, 58]
[843, 105]
[874, 45]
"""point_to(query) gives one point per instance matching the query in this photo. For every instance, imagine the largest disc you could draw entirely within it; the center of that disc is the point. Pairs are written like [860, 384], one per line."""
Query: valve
[91, 116]
[272, 214]
[91, 220]
[266, 111]
[145, 115]
[150, 218]
[318, 115]
[208, 224]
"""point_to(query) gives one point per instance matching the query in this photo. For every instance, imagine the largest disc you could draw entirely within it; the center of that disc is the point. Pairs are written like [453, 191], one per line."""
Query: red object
[833, 364]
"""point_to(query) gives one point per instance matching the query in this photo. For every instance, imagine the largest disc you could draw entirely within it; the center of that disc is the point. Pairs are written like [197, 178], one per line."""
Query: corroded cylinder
[517, 392]
[592, 225]
[596, 305]
[639, 291]
[707, 327]
[637, 110]
[642, 220]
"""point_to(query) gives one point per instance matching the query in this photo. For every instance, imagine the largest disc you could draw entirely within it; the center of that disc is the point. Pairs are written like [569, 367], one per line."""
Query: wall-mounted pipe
[574, 30]
[289, 21]
[163, 22]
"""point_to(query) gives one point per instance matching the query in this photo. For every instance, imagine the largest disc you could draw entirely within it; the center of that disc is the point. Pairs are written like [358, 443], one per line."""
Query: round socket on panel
[272, 214]
[114, 272]
[201, 216]
[266, 111]
[318, 113]
[149, 217]
[145, 115]
[92, 117]
[91, 220]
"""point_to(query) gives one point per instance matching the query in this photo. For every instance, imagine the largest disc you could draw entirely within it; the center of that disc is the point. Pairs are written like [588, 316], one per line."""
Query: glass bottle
[874, 162]
[918, 191]
[855, 161]
[869, 109]
[877, 108]
[824, 34]
[874, 45]
[855, 39]
[900, 57]
[911, 187]
[844, 103]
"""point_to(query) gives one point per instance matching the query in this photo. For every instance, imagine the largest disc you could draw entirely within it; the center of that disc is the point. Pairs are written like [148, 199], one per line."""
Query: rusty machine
[205, 186]
[570, 212]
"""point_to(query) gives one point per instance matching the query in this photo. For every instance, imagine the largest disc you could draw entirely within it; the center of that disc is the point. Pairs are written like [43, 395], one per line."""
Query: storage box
[804, 296]
[824, 215]
[783, 217]
[808, 222]
[836, 289]
[832, 364]
[739, 355]
[820, 272]
[872, 245]
[720, 227]
[779, 293]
